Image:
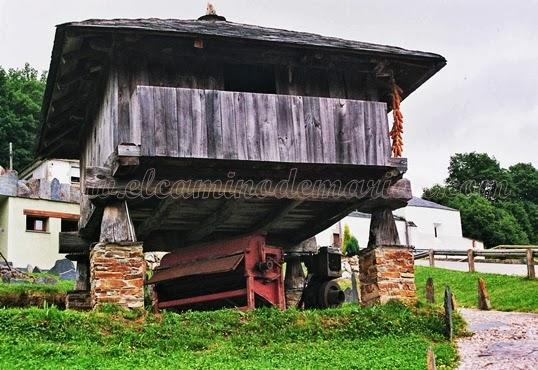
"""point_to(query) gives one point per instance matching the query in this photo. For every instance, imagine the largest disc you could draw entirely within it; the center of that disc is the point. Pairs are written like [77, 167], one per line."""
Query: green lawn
[20, 295]
[350, 337]
[507, 293]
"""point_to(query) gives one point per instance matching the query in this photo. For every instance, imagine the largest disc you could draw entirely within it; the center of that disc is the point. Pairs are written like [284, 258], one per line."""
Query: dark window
[75, 179]
[69, 225]
[249, 78]
[36, 223]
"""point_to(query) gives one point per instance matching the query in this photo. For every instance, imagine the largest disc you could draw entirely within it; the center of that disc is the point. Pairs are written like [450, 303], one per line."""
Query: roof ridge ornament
[211, 14]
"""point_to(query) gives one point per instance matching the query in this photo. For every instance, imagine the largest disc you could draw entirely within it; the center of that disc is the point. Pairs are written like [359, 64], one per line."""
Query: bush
[350, 243]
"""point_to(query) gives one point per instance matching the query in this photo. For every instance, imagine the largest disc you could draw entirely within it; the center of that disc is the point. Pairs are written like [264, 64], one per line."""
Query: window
[75, 179]
[69, 225]
[436, 229]
[39, 224]
[249, 78]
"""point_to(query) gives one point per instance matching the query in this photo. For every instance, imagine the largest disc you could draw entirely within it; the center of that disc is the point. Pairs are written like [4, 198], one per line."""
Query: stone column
[117, 274]
[386, 273]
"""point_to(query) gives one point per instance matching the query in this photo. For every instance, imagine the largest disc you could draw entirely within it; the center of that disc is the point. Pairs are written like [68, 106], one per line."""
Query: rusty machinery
[321, 290]
[241, 272]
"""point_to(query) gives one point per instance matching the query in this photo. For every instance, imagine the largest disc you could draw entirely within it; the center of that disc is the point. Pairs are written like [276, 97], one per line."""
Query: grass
[507, 293]
[33, 294]
[391, 336]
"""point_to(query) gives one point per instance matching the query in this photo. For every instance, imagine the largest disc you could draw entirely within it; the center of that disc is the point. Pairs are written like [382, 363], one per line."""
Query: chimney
[211, 15]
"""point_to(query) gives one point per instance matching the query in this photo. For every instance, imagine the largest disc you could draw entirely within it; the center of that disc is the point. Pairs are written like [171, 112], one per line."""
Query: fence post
[430, 291]
[432, 258]
[531, 273]
[470, 260]
[483, 296]
[449, 325]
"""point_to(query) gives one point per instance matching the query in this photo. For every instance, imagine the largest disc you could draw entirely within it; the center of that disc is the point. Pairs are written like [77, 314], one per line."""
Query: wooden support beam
[210, 224]
[90, 219]
[276, 216]
[125, 160]
[72, 242]
[152, 223]
[101, 185]
[383, 229]
[392, 197]
[83, 275]
[116, 225]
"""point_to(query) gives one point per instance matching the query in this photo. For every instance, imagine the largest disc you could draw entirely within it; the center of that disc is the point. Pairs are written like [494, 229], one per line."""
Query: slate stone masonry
[117, 274]
[387, 273]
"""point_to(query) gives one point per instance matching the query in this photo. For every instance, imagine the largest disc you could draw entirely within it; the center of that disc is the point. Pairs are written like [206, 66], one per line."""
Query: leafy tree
[477, 172]
[350, 243]
[497, 205]
[21, 93]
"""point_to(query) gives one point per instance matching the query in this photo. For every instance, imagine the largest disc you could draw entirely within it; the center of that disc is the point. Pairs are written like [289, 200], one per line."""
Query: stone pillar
[386, 273]
[117, 274]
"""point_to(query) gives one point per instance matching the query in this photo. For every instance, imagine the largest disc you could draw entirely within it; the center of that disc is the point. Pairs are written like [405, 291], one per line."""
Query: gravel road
[501, 340]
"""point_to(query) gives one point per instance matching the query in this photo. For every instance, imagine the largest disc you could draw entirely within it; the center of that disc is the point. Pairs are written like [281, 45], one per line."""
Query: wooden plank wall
[178, 122]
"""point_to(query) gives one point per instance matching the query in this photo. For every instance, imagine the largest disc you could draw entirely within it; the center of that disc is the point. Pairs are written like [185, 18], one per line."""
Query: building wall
[30, 247]
[60, 169]
[421, 236]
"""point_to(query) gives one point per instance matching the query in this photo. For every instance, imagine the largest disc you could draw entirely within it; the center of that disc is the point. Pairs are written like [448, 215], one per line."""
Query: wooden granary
[184, 129]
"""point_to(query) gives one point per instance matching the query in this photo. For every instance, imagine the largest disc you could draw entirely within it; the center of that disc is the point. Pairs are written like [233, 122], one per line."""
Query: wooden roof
[246, 31]
[74, 81]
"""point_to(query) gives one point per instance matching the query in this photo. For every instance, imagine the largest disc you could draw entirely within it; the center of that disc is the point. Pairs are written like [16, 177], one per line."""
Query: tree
[21, 94]
[497, 205]
[477, 173]
[350, 243]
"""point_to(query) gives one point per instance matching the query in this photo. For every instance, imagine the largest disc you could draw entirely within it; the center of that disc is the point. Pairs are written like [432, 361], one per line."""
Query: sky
[484, 100]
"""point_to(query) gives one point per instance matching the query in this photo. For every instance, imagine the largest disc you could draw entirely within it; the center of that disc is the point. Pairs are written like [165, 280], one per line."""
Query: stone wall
[117, 274]
[387, 273]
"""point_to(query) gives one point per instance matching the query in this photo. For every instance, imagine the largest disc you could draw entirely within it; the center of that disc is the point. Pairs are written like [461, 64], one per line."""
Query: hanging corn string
[397, 126]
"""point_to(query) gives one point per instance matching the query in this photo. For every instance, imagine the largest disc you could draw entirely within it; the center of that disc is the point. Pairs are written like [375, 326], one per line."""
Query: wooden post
[430, 291]
[449, 325]
[431, 255]
[383, 229]
[354, 288]
[470, 260]
[483, 296]
[531, 273]
[431, 359]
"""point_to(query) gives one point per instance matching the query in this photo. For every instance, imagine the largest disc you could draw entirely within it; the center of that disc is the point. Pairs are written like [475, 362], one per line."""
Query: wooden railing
[527, 254]
[177, 122]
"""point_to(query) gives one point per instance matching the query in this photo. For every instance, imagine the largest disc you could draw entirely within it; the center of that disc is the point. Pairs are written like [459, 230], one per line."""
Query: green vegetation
[497, 205]
[507, 293]
[390, 336]
[21, 93]
[34, 294]
[350, 245]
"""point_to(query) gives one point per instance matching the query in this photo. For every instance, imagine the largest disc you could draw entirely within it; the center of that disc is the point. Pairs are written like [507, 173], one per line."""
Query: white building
[34, 208]
[422, 224]
[67, 171]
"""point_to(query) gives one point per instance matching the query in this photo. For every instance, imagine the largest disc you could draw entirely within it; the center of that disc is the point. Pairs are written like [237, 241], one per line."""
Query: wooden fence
[527, 254]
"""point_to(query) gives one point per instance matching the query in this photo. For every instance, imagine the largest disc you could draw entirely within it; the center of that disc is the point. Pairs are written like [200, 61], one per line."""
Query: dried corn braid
[397, 127]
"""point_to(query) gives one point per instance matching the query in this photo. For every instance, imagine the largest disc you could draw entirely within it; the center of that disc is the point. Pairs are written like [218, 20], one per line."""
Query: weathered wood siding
[178, 122]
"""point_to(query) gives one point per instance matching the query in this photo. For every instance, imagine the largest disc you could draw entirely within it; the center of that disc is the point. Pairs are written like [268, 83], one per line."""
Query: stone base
[79, 300]
[386, 273]
[117, 274]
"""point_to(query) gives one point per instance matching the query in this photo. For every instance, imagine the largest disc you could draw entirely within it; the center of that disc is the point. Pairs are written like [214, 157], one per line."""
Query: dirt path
[501, 340]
